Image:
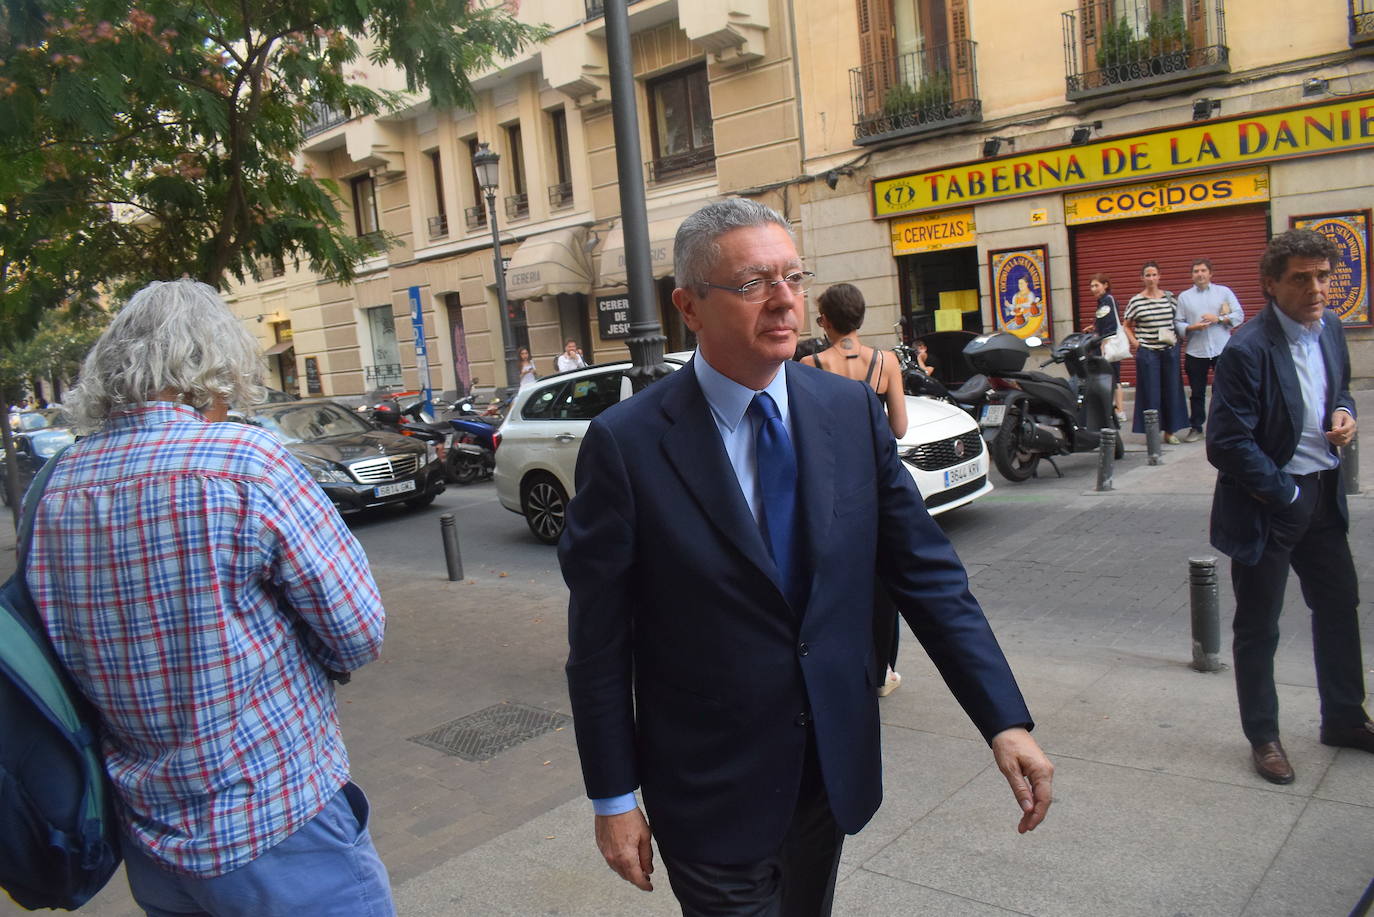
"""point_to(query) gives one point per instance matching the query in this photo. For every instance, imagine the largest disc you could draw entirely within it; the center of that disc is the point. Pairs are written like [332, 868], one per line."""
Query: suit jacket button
[803, 719]
[803, 650]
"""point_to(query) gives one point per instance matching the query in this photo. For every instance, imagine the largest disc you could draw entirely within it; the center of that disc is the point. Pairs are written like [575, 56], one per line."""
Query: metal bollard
[1106, 457]
[1206, 609]
[1350, 465]
[1153, 444]
[449, 531]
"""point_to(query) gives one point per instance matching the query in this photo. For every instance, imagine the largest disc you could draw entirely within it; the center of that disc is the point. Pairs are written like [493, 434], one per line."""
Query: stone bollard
[1153, 440]
[1106, 456]
[1350, 465]
[1206, 608]
[449, 532]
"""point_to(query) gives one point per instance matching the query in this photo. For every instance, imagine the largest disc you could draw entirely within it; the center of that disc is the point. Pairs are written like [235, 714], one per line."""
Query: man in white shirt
[1207, 314]
[571, 357]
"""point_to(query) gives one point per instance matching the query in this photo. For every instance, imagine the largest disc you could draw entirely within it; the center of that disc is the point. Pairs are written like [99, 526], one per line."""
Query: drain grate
[483, 735]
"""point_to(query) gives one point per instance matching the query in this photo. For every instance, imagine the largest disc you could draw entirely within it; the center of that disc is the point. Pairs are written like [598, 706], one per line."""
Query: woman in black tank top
[841, 316]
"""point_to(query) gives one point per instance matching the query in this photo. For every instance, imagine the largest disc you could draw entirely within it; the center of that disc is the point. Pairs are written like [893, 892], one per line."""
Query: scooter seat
[971, 391]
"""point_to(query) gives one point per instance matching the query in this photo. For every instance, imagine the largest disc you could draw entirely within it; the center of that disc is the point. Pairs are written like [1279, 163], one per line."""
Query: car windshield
[46, 443]
[303, 423]
[26, 422]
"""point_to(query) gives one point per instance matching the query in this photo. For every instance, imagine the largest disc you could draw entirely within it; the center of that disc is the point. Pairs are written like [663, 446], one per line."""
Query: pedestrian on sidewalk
[720, 557]
[1281, 406]
[1150, 319]
[1106, 321]
[570, 358]
[204, 595]
[1207, 314]
[841, 309]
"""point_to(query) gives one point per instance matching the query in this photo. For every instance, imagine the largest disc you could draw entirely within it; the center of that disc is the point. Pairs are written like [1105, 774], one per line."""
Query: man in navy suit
[1281, 406]
[720, 557]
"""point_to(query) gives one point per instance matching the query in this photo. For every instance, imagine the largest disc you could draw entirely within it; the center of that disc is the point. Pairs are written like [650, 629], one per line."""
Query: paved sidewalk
[1157, 810]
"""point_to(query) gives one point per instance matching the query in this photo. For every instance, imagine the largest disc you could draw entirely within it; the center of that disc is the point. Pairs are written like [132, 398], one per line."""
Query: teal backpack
[58, 840]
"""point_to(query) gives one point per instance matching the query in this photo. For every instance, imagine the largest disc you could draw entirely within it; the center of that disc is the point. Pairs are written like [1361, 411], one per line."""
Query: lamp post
[486, 162]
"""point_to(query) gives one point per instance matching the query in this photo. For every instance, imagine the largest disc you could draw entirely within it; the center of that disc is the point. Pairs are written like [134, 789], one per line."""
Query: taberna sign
[1173, 195]
[1341, 126]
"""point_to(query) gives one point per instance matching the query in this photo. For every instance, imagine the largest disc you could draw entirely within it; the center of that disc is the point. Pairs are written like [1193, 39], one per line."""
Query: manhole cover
[485, 734]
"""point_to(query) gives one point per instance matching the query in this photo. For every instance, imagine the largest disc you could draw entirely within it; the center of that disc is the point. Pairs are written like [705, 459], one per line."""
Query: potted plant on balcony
[1166, 35]
[1117, 52]
[905, 105]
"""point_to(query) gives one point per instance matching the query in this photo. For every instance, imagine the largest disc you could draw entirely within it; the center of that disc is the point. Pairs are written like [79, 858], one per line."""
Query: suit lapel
[811, 428]
[692, 446]
[1330, 360]
[1282, 356]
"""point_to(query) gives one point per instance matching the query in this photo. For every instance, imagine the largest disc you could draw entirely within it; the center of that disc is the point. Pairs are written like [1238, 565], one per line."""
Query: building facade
[987, 161]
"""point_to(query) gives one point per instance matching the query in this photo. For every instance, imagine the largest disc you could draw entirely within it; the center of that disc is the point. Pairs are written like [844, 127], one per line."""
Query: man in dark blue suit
[1281, 406]
[720, 556]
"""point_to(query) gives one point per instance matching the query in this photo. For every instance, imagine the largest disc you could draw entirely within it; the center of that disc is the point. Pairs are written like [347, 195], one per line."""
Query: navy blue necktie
[776, 465]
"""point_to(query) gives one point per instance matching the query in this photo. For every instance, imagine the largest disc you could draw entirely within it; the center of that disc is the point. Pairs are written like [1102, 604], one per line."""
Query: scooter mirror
[1033, 341]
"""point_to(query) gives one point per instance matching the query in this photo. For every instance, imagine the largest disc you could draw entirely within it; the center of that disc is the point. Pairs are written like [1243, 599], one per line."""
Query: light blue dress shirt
[729, 402]
[1193, 304]
[1314, 449]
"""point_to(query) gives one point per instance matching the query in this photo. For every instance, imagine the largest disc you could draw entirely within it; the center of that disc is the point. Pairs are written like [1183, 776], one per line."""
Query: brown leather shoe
[1361, 736]
[1271, 762]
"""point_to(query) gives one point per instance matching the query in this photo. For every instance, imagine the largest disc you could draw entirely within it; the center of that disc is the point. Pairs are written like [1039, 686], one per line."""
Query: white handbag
[1117, 347]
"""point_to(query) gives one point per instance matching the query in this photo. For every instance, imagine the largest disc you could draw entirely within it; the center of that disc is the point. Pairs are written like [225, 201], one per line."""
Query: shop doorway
[462, 371]
[924, 277]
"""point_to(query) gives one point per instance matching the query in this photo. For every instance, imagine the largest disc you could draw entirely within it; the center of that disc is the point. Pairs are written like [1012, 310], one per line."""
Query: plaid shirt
[197, 583]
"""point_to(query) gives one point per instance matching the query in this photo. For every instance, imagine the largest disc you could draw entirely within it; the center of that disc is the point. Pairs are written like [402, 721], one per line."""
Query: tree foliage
[54, 352]
[146, 139]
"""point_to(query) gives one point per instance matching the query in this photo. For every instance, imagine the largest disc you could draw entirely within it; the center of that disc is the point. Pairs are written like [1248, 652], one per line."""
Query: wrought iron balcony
[560, 195]
[1104, 53]
[912, 93]
[595, 8]
[383, 374]
[476, 217]
[322, 117]
[679, 165]
[438, 226]
[517, 206]
[1361, 22]
[269, 268]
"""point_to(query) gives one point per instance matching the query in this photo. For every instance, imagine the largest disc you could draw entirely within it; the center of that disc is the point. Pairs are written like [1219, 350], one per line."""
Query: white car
[535, 462]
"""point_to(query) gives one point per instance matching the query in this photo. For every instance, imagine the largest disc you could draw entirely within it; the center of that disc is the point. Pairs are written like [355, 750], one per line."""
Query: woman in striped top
[1151, 325]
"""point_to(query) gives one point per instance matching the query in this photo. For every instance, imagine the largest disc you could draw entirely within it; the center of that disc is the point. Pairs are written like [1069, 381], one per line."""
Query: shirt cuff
[614, 805]
[1296, 491]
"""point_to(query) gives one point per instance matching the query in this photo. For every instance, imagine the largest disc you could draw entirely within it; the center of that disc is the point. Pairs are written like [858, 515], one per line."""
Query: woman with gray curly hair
[204, 594]
[175, 341]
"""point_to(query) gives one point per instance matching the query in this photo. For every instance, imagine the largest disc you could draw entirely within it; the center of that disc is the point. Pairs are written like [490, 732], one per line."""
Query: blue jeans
[1158, 385]
[328, 867]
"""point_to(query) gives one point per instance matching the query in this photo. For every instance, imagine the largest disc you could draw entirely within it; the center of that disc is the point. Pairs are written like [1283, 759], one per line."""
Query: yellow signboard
[934, 231]
[1174, 195]
[1311, 130]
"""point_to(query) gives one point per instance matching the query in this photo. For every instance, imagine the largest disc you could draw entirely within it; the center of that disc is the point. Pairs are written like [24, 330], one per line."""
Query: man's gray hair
[696, 248]
[175, 336]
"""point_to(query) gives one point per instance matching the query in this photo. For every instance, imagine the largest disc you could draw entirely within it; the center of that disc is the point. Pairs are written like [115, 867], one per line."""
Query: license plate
[960, 474]
[993, 414]
[390, 490]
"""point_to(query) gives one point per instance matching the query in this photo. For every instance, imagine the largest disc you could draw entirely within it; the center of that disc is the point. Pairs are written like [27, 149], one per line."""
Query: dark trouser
[1159, 386]
[797, 881]
[1310, 536]
[1197, 369]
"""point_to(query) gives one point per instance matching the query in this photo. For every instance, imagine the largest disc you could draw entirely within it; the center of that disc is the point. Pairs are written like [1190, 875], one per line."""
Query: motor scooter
[1032, 415]
[408, 420]
[472, 456]
[971, 394]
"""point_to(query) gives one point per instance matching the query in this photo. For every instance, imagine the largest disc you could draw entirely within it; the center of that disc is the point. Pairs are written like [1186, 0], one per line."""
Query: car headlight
[323, 471]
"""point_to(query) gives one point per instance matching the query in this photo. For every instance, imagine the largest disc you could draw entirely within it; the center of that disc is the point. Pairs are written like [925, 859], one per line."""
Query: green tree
[144, 139]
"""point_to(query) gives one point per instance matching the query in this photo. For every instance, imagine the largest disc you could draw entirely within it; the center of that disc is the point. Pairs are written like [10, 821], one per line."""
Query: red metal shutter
[1232, 238]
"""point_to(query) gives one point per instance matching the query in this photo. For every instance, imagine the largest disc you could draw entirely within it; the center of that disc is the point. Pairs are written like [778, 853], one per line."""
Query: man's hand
[1029, 773]
[624, 842]
[1342, 429]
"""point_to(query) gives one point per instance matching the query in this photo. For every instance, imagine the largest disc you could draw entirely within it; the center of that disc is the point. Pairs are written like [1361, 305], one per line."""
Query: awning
[278, 348]
[661, 234]
[550, 263]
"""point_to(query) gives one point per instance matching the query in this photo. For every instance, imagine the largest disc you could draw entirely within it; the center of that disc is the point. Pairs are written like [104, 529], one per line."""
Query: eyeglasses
[756, 291]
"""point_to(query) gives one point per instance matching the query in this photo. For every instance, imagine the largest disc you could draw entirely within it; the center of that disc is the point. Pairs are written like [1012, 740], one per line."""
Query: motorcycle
[472, 456]
[970, 394]
[1033, 415]
[408, 420]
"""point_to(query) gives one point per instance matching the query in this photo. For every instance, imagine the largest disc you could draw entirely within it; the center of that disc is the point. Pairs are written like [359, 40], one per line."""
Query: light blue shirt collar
[1297, 331]
[729, 400]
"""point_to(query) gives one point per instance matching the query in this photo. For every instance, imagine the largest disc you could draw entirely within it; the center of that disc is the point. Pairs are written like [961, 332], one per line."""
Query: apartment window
[365, 220]
[438, 224]
[680, 111]
[560, 193]
[476, 214]
[518, 201]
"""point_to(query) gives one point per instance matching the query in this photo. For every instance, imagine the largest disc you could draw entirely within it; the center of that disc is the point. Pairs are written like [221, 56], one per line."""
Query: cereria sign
[1311, 130]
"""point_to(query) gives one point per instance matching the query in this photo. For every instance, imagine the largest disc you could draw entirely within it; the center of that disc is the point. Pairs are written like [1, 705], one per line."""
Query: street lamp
[486, 163]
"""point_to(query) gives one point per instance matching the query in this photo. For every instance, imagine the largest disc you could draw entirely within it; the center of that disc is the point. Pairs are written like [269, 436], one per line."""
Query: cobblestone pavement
[1157, 811]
